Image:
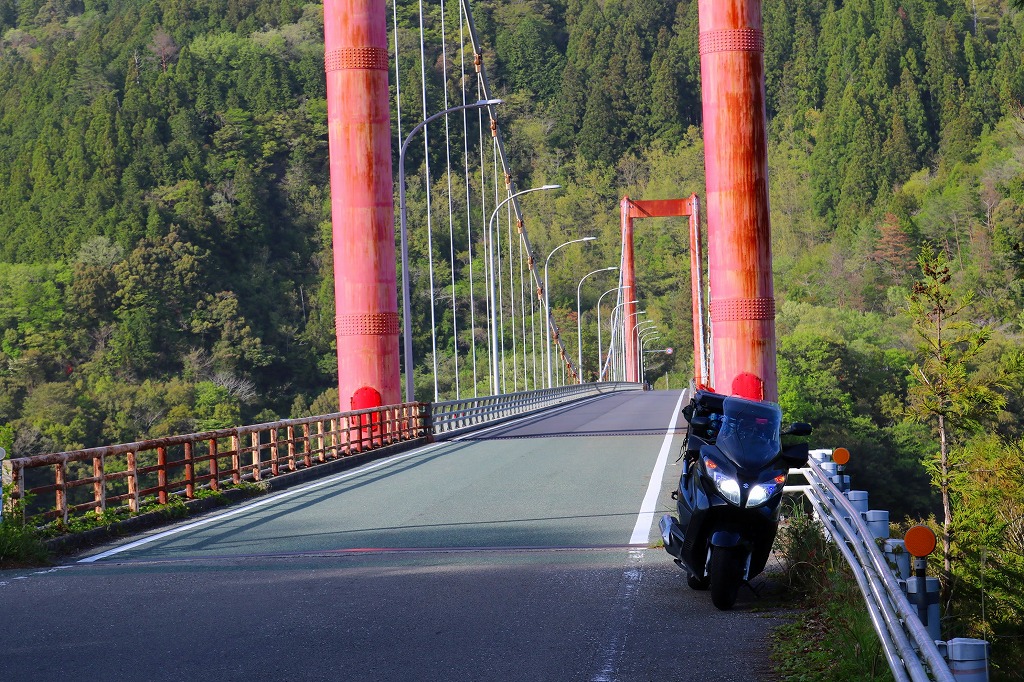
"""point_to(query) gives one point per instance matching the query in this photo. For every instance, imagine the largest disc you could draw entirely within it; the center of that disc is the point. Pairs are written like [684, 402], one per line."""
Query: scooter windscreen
[749, 433]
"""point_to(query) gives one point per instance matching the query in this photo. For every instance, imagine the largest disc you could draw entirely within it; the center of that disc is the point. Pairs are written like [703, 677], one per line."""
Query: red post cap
[919, 541]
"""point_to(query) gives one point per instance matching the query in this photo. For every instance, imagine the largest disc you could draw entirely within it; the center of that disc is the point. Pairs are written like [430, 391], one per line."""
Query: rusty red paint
[359, 135]
[739, 230]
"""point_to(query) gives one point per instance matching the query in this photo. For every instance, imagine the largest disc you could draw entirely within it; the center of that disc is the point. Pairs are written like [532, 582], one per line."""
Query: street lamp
[600, 354]
[579, 318]
[547, 306]
[494, 316]
[642, 336]
[612, 317]
[479, 104]
[632, 335]
[642, 339]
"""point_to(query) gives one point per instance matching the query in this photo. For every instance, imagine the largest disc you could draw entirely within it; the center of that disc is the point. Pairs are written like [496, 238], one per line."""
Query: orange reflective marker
[841, 456]
[919, 541]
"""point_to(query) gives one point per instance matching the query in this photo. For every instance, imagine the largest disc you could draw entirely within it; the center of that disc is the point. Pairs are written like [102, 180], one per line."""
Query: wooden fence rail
[97, 479]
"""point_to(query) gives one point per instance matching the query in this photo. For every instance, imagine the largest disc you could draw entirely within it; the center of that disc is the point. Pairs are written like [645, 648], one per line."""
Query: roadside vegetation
[21, 543]
[831, 636]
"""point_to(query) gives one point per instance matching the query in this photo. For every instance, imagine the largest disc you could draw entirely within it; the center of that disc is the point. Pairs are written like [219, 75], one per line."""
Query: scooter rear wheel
[726, 576]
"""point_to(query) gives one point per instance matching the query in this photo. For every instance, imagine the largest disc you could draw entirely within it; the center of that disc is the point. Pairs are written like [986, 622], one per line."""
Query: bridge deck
[502, 555]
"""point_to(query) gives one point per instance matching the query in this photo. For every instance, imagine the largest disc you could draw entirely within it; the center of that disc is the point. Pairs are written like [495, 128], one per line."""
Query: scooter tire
[726, 576]
[696, 583]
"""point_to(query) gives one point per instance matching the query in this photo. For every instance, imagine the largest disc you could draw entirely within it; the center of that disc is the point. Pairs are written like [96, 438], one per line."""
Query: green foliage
[832, 637]
[20, 543]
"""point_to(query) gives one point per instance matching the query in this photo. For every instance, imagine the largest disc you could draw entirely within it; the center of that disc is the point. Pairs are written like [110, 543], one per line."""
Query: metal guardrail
[910, 651]
[127, 475]
[455, 417]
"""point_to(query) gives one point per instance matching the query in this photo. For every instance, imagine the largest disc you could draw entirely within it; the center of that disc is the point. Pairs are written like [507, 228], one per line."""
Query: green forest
[165, 255]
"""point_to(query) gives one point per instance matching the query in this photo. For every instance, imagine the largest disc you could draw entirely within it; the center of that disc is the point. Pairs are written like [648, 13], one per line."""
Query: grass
[831, 638]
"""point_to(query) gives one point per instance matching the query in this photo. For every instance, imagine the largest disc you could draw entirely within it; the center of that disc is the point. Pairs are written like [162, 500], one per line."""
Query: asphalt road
[506, 555]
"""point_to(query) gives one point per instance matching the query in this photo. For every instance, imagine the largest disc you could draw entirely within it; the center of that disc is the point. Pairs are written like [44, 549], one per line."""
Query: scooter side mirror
[796, 455]
[701, 422]
[798, 429]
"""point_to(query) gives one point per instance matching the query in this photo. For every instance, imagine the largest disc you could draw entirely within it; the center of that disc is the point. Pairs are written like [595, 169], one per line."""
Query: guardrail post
[133, 483]
[858, 500]
[161, 474]
[428, 422]
[254, 439]
[968, 659]
[307, 458]
[214, 467]
[877, 521]
[897, 558]
[190, 473]
[290, 435]
[922, 591]
[236, 459]
[99, 486]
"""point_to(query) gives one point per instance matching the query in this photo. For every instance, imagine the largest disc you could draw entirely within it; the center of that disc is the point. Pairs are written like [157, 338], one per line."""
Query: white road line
[312, 486]
[644, 520]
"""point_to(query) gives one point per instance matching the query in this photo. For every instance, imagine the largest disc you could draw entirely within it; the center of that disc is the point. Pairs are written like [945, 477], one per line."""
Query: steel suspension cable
[533, 337]
[497, 136]
[522, 306]
[430, 231]
[512, 300]
[497, 273]
[489, 304]
[469, 212]
[451, 210]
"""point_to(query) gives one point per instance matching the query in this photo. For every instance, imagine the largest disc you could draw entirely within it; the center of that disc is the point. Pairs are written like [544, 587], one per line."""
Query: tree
[164, 48]
[944, 390]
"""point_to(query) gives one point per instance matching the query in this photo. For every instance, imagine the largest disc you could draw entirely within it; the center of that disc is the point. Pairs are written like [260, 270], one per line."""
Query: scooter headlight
[729, 487]
[760, 493]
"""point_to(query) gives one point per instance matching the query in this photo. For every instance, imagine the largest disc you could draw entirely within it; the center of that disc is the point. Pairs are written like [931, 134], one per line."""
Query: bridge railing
[454, 417]
[97, 479]
[909, 649]
[130, 475]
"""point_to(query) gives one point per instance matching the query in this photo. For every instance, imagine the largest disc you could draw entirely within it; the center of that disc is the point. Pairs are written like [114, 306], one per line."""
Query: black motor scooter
[734, 470]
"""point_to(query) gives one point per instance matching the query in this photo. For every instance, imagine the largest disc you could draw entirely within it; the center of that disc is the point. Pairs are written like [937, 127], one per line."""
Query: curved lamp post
[642, 337]
[490, 256]
[600, 354]
[547, 305]
[579, 318]
[632, 335]
[407, 330]
[612, 317]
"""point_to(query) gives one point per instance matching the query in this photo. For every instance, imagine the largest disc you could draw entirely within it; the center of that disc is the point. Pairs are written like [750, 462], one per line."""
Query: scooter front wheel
[726, 575]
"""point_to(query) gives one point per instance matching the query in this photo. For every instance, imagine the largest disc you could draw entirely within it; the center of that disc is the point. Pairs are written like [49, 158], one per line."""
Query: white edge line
[312, 486]
[645, 519]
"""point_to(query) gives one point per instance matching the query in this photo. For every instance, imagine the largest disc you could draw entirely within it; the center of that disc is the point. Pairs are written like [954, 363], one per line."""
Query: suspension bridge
[495, 524]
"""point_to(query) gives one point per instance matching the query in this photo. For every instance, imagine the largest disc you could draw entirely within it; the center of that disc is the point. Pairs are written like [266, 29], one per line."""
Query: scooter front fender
[726, 538]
